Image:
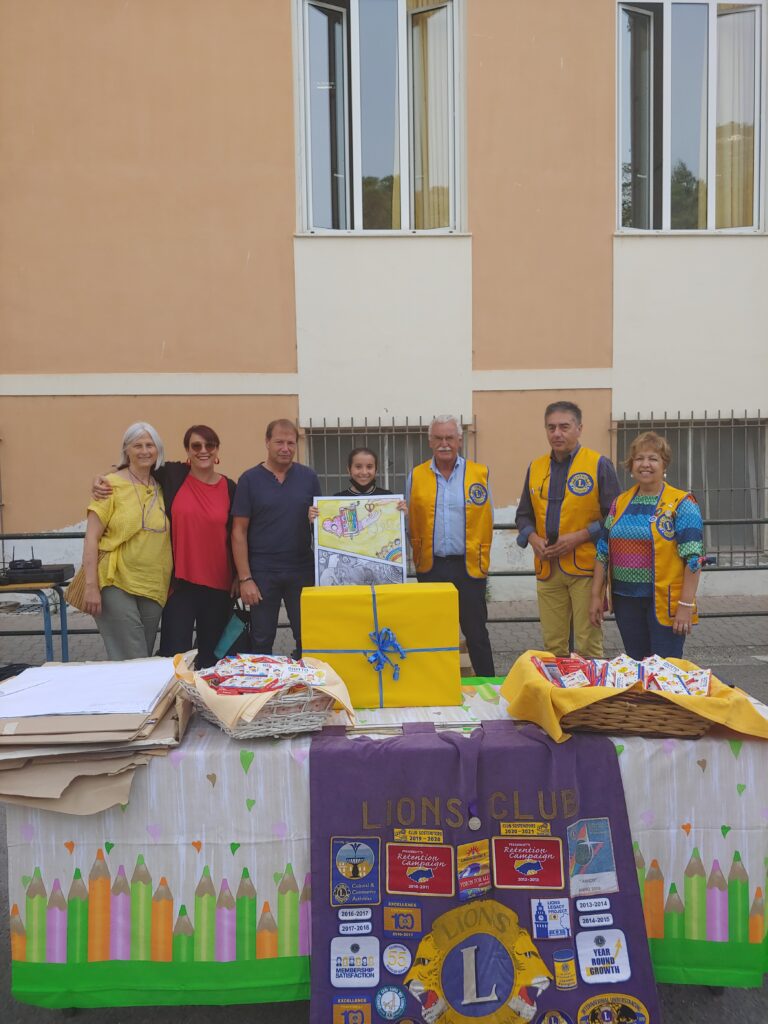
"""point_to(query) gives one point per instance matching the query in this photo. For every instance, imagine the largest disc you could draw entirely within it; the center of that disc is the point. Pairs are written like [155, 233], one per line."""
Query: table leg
[64, 627]
[45, 604]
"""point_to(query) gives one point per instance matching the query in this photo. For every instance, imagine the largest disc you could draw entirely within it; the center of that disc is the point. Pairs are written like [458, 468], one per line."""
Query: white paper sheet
[98, 688]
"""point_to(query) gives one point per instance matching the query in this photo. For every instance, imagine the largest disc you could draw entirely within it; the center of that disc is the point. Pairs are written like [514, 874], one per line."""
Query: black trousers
[277, 588]
[193, 609]
[473, 610]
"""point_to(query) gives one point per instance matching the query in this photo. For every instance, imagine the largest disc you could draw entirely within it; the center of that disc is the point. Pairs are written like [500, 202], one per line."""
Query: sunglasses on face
[198, 446]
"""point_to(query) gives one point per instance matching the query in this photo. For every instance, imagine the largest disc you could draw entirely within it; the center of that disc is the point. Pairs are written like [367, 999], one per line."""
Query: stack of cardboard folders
[73, 735]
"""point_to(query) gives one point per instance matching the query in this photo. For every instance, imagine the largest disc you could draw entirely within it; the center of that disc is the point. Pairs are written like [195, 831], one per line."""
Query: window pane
[380, 141]
[689, 116]
[431, 113]
[735, 162]
[635, 119]
[328, 116]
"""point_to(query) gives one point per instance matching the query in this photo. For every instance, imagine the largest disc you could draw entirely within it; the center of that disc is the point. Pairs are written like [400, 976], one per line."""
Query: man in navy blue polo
[271, 536]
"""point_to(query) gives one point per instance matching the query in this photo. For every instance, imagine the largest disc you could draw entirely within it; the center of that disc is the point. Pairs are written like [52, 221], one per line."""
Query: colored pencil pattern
[712, 909]
[56, 926]
[122, 920]
[288, 915]
[99, 906]
[246, 918]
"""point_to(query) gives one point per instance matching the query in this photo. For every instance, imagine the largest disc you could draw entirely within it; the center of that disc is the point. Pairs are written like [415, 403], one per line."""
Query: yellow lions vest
[668, 566]
[580, 507]
[478, 517]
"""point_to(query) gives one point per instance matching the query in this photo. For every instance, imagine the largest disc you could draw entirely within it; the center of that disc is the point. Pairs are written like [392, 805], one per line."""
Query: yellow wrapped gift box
[394, 645]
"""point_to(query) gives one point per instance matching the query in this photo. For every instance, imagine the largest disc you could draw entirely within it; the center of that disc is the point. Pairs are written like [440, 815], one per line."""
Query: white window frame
[761, 120]
[405, 120]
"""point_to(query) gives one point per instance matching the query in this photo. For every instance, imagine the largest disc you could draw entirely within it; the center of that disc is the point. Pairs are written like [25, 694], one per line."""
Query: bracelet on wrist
[687, 604]
[248, 579]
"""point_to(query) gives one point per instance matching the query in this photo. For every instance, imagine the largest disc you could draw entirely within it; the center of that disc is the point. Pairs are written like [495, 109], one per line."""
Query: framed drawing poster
[359, 541]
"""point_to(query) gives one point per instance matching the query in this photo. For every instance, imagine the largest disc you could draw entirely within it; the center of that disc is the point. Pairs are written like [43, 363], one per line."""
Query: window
[379, 114]
[399, 447]
[689, 115]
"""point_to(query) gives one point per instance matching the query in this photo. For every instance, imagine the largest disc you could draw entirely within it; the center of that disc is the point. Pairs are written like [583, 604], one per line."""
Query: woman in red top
[197, 502]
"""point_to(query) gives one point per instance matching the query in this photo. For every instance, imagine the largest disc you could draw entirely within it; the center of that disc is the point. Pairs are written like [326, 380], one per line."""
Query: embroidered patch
[478, 494]
[665, 524]
[580, 483]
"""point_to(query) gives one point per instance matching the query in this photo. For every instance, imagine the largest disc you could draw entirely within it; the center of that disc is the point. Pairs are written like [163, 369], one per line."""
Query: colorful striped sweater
[631, 544]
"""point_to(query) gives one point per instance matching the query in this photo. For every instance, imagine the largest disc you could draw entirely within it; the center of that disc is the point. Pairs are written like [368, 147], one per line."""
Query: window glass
[735, 138]
[635, 118]
[689, 116]
[379, 101]
[328, 116]
[431, 116]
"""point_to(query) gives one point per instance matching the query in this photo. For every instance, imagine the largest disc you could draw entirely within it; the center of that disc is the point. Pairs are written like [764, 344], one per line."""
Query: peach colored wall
[510, 432]
[540, 120]
[50, 448]
[147, 186]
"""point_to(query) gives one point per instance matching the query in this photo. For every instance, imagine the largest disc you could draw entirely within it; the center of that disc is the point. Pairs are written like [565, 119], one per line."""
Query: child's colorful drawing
[359, 541]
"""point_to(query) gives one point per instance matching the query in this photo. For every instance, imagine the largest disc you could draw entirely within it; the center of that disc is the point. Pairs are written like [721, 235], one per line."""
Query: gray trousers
[128, 624]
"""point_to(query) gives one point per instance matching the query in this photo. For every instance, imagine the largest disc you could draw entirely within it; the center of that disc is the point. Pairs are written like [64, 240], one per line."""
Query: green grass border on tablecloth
[730, 964]
[141, 983]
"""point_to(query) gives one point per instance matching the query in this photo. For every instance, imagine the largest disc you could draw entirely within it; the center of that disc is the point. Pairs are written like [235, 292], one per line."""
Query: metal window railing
[722, 460]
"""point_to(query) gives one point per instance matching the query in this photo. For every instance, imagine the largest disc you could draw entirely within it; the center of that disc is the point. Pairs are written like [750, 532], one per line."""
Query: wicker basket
[298, 708]
[637, 713]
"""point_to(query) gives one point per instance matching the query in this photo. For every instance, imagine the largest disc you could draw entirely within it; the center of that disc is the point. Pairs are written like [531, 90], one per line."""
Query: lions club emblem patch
[477, 960]
[580, 484]
[665, 524]
[478, 494]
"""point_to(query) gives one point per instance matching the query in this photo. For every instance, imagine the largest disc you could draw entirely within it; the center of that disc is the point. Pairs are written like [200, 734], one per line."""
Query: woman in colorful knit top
[650, 549]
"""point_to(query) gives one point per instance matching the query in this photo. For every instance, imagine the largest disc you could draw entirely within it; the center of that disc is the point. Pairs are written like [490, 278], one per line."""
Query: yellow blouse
[137, 537]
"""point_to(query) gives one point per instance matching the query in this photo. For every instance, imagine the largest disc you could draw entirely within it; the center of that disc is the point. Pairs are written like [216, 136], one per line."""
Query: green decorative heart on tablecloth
[109, 847]
[123, 808]
[234, 847]
[246, 759]
[725, 829]
[25, 880]
[619, 749]
[249, 803]
[735, 746]
[740, 787]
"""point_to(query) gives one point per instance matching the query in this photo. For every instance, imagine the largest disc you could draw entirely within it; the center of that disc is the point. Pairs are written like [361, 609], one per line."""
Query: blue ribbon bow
[386, 644]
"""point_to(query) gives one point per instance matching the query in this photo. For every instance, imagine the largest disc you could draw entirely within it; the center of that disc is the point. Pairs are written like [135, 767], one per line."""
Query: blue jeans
[277, 588]
[641, 632]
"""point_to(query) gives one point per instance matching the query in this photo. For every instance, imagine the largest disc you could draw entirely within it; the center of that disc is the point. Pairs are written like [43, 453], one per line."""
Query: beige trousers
[563, 600]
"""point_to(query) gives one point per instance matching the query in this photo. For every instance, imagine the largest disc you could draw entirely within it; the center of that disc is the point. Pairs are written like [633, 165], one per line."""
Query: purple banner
[484, 878]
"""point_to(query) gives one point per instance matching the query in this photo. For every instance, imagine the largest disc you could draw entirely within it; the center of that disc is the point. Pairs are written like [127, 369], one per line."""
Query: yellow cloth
[580, 507]
[335, 620]
[533, 698]
[668, 566]
[478, 518]
[140, 560]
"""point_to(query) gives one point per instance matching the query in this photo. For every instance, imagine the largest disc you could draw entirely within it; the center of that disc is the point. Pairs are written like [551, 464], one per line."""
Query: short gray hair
[446, 417]
[136, 430]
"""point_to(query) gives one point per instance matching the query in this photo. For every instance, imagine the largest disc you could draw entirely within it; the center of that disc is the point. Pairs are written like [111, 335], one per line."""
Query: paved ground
[736, 648]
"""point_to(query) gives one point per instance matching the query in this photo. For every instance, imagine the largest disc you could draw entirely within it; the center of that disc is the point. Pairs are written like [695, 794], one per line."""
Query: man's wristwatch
[248, 579]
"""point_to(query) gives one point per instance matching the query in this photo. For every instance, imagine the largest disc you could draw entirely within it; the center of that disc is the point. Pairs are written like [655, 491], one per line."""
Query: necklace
[144, 483]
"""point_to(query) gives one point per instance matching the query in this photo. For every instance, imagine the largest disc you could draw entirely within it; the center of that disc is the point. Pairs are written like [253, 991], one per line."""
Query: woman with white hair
[127, 550]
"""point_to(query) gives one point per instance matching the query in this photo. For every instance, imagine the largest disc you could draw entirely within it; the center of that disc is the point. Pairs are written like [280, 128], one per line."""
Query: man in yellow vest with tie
[450, 521]
[566, 497]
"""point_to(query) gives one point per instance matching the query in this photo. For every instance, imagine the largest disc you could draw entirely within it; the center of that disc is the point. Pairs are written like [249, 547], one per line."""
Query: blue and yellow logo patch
[580, 484]
[478, 494]
[665, 524]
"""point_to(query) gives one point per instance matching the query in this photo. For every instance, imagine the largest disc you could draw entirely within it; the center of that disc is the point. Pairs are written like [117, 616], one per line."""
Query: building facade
[340, 211]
